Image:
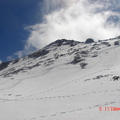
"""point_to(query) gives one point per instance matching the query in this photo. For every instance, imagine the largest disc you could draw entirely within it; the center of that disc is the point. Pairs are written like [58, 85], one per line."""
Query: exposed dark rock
[84, 52]
[115, 78]
[118, 37]
[38, 54]
[95, 54]
[100, 76]
[63, 42]
[89, 40]
[77, 59]
[4, 65]
[106, 43]
[83, 65]
[56, 56]
[92, 48]
[15, 61]
[116, 43]
[48, 63]
[109, 45]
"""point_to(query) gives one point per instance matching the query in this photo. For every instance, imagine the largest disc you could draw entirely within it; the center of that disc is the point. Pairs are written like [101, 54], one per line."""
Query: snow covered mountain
[66, 80]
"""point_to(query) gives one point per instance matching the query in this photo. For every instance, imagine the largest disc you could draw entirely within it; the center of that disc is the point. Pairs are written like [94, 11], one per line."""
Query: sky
[15, 15]
[29, 25]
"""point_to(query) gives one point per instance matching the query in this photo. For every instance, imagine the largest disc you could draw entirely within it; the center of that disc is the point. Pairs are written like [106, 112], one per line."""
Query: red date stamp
[109, 109]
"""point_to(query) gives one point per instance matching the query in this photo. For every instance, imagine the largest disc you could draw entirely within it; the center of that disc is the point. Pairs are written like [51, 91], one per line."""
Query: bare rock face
[116, 43]
[4, 65]
[61, 42]
[89, 40]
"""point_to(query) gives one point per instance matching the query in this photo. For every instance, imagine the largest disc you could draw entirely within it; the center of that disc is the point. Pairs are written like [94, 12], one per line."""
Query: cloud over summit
[74, 19]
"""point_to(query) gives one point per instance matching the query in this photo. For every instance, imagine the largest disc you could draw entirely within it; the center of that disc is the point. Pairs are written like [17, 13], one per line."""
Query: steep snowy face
[46, 57]
[60, 52]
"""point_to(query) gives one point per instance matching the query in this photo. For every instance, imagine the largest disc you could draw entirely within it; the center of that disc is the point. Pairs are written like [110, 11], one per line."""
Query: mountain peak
[60, 42]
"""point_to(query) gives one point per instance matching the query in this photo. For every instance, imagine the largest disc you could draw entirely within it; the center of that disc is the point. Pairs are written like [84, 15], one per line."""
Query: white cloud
[73, 19]
[77, 19]
[10, 58]
[19, 54]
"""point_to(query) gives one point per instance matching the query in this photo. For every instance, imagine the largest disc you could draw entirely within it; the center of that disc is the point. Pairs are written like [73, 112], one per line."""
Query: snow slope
[66, 80]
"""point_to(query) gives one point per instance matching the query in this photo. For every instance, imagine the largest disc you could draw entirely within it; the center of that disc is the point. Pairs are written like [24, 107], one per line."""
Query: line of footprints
[55, 97]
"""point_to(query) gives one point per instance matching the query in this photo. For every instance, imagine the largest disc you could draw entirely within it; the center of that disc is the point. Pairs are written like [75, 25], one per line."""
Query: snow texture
[66, 80]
